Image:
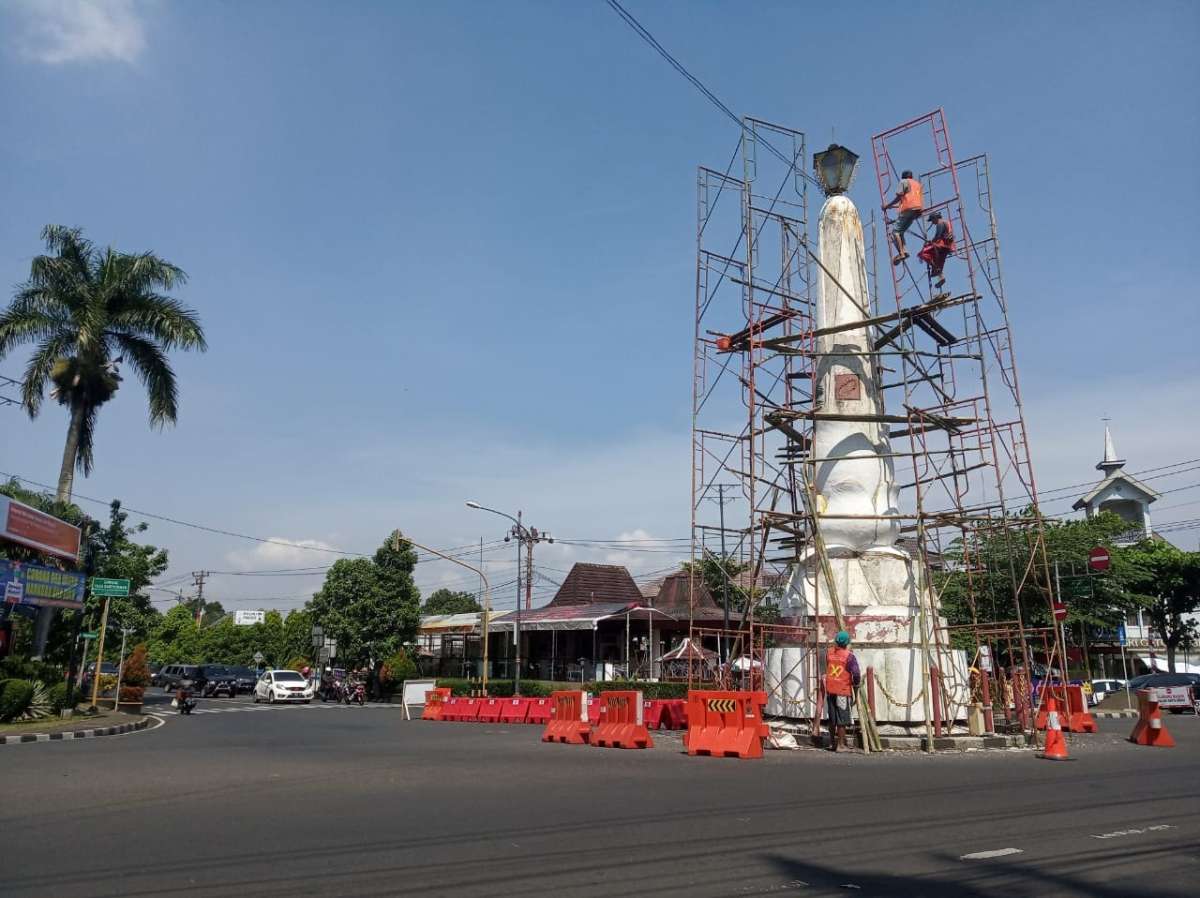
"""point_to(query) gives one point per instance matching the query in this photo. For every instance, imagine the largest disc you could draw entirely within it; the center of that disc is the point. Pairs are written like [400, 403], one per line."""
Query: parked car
[282, 686]
[215, 679]
[170, 676]
[1102, 689]
[107, 668]
[247, 679]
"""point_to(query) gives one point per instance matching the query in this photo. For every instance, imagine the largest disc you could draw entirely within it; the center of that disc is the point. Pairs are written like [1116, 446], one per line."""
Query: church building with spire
[1121, 494]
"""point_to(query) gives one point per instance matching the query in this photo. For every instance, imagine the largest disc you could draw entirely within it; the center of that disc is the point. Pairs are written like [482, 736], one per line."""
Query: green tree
[176, 640]
[1166, 581]
[720, 575]
[370, 606]
[446, 601]
[297, 634]
[87, 310]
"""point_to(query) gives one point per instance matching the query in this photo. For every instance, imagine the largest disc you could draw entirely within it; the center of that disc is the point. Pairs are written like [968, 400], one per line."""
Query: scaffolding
[945, 361]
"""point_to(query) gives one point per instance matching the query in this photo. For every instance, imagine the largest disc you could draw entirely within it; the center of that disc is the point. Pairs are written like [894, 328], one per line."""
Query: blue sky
[446, 251]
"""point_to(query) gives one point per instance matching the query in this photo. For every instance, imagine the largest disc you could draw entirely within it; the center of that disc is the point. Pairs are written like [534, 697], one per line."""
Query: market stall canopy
[687, 650]
[575, 617]
[450, 623]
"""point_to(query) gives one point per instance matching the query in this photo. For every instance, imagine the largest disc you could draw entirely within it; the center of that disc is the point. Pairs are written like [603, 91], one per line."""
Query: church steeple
[1110, 462]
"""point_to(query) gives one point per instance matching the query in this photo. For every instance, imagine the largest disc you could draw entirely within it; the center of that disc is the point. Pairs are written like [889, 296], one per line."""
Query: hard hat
[842, 639]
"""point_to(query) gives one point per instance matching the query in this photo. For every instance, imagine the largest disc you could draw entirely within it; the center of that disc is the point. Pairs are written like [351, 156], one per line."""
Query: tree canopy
[447, 601]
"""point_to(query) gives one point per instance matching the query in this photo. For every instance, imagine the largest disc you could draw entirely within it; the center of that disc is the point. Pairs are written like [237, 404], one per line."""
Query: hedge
[15, 699]
[543, 688]
[60, 699]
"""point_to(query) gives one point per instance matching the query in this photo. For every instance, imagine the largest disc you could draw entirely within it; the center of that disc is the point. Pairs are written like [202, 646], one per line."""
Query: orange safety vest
[913, 198]
[837, 674]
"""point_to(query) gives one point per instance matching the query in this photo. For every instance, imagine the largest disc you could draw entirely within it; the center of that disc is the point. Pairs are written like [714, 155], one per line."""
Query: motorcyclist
[183, 697]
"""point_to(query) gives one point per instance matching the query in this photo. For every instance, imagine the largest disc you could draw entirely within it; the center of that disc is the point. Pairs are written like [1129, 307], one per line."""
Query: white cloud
[64, 31]
[282, 554]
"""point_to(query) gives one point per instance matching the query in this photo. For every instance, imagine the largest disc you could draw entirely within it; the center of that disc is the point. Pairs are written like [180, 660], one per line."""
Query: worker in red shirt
[910, 199]
[841, 677]
[937, 248]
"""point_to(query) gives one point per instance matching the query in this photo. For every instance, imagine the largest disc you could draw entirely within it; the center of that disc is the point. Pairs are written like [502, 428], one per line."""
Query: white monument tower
[877, 583]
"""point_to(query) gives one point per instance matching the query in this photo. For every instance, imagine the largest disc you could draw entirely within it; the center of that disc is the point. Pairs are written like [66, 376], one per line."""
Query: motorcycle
[184, 702]
[356, 692]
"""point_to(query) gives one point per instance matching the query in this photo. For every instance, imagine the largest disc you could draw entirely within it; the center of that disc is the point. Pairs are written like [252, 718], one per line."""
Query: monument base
[885, 638]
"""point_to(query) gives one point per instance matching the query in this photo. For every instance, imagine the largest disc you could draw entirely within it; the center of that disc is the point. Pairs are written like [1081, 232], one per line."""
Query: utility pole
[721, 487]
[198, 577]
[526, 537]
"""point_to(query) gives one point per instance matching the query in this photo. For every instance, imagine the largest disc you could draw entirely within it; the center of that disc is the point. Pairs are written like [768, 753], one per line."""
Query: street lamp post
[487, 594]
[525, 537]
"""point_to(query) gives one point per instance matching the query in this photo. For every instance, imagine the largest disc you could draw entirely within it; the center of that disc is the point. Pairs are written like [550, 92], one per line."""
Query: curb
[1112, 714]
[75, 734]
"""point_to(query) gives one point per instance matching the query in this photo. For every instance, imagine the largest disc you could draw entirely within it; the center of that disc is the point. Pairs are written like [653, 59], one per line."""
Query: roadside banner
[26, 525]
[1173, 696]
[22, 583]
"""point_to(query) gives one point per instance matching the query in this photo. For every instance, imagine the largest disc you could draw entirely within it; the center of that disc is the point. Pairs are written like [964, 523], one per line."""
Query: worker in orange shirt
[910, 199]
[937, 248]
[842, 675]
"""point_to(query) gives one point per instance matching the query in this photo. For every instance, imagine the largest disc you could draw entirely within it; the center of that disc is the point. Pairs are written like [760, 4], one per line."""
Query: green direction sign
[92, 635]
[107, 586]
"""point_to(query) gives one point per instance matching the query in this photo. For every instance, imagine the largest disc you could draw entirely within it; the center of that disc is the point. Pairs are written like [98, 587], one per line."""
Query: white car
[282, 686]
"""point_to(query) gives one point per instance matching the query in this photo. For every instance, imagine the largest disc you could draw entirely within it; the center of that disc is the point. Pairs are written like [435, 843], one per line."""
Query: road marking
[984, 855]
[1115, 834]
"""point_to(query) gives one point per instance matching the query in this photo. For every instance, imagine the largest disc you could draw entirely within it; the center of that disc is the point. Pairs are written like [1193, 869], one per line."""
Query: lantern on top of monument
[835, 169]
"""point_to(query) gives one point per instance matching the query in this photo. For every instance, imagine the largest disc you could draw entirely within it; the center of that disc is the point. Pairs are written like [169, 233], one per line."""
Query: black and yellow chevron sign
[722, 705]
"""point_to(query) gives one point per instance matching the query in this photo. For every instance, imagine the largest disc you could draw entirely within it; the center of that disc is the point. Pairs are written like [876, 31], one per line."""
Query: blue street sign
[1121, 634]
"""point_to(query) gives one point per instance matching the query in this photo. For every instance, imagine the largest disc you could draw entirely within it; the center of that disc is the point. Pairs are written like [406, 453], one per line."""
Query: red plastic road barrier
[594, 706]
[652, 713]
[675, 713]
[568, 722]
[1045, 694]
[540, 710]
[514, 710]
[665, 713]
[1149, 729]
[621, 722]
[490, 708]
[726, 724]
[468, 709]
[452, 707]
[435, 703]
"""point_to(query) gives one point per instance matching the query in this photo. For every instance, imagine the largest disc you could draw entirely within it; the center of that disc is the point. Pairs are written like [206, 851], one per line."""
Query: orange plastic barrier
[435, 703]
[652, 713]
[514, 710]
[568, 722]
[622, 722]
[725, 724]
[1079, 719]
[1044, 695]
[540, 710]
[593, 710]
[1056, 743]
[490, 708]
[1149, 729]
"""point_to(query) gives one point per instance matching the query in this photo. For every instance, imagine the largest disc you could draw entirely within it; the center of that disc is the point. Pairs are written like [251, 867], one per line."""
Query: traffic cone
[1056, 745]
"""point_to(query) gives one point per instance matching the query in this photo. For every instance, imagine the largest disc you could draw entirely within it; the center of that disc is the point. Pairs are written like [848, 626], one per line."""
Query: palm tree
[87, 310]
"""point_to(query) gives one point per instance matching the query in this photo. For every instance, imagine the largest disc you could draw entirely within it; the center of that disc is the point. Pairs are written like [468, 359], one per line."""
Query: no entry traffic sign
[1099, 559]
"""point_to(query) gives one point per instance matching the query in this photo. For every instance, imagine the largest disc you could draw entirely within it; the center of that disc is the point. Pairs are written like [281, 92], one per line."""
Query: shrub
[18, 668]
[133, 694]
[396, 670]
[15, 699]
[134, 671]
[298, 663]
[39, 703]
[61, 697]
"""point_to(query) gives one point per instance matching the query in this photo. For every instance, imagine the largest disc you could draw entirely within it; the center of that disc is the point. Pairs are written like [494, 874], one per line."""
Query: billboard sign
[1173, 696]
[245, 618]
[26, 525]
[22, 583]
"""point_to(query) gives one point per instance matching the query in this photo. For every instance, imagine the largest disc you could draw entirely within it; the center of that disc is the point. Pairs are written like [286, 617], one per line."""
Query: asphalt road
[334, 801]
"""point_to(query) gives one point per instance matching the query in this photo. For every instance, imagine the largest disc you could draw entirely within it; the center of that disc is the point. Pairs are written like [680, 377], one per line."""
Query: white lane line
[984, 855]
[1134, 832]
